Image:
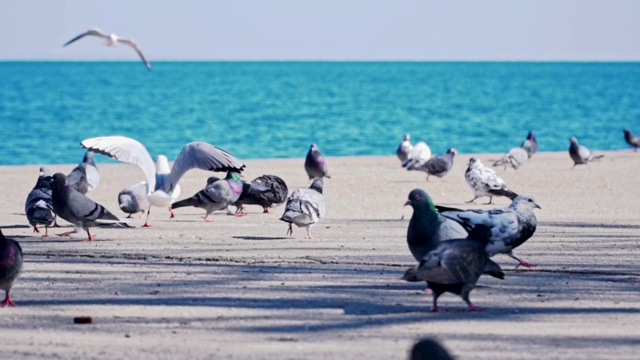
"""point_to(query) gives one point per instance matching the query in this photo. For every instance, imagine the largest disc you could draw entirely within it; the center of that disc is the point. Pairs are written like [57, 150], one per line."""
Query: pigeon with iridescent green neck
[217, 195]
[427, 227]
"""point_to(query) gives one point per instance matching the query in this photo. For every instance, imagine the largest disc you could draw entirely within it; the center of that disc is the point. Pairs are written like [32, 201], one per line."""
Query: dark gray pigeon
[455, 266]
[305, 207]
[485, 182]
[580, 154]
[438, 165]
[39, 206]
[510, 226]
[10, 266]
[266, 191]
[427, 228]
[217, 195]
[76, 208]
[631, 139]
[315, 164]
[405, 148]
[85, 177]
[133, 199]
[429, 349]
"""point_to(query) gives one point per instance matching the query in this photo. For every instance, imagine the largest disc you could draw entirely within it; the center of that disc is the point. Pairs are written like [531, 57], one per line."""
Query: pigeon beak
[407, 203]
[538, 206]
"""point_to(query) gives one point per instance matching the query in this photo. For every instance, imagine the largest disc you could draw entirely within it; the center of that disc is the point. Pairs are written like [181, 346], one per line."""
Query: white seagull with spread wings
[162, 180]
[112, 40]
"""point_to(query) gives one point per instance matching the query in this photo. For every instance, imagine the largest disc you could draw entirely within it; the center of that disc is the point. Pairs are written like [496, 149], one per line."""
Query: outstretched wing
[126, 150]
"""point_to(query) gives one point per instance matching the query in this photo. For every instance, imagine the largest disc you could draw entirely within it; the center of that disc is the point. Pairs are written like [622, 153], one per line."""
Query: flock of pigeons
[453, 247]
[64, 196]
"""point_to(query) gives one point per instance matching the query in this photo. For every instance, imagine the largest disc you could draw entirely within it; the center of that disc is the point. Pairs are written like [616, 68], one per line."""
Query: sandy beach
[240, 288]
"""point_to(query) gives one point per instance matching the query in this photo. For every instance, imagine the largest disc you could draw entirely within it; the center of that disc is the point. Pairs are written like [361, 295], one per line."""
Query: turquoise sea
[276, 109]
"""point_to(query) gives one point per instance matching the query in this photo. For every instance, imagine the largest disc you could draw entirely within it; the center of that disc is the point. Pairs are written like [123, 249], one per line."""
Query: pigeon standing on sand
[530, 144]
[315, 164]
[76, 208]
[39, 206]
[85, 177]
[515, 158]
[580, 154]
[405, 148]
[429, 349]
[426, 227]
[217, 195]
[485, 182]
[266, 191]
[455, 266]
[510, 226]
[631, 139]
[420, 154]
[438, 165]
[163, 181]
[305, 207]
[133, 199]
[10, 266]
[112, 40]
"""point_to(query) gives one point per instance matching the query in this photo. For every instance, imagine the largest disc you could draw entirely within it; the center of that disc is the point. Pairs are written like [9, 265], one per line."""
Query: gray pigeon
[530, 144]
[485, 182]
[217, 195]
[266, 191]
[133, 199]
[305, 207]
[580, 154]
[85, 177]
[510, 226]
[39, 206]
[438, 165]
[10, 266]
[515, 158]
[405, 148]
[426, 227]
[76, 208]
[631, 139]
[315, 164]
[455, 266]
[429, 349]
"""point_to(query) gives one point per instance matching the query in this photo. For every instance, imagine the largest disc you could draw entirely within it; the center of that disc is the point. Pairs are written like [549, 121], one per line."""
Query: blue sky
[326, 30]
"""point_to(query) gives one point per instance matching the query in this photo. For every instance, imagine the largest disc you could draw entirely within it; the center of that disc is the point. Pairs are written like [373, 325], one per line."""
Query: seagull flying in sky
[112, 40]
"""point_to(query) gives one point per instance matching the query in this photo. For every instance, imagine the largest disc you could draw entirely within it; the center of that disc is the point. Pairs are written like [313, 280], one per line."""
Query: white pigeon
[485, 182]
[163, 188]
[112, 40]
[420, 154]
[305, 207]
[405, 148]
[510, 226]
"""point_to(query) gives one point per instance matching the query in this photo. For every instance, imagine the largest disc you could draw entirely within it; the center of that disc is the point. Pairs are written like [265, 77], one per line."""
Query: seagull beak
[407, 203]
